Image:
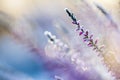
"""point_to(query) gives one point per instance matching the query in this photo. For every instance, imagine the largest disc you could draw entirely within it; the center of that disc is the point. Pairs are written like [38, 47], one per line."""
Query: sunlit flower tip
[68, 12]
[66, 9]
[51, 38]
[47, 33]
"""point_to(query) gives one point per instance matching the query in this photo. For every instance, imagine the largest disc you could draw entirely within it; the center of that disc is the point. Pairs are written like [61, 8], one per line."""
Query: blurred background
[26, 54]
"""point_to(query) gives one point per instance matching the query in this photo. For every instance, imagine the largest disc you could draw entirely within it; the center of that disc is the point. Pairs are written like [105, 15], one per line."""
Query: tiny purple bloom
[80, 33]
[86, 33]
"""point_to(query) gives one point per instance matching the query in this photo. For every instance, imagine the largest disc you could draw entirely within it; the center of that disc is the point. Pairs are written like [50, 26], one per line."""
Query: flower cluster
[86, 37]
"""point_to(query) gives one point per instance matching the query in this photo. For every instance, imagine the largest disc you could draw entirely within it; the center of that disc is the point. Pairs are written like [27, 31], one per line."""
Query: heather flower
[86, 36]
[81, 32]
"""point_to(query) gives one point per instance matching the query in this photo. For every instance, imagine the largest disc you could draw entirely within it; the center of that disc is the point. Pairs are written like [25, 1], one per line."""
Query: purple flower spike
[86, 37]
